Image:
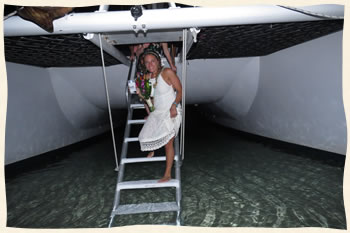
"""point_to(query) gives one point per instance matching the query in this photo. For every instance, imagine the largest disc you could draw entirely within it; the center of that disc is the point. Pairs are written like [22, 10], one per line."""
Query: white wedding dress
[159, 128]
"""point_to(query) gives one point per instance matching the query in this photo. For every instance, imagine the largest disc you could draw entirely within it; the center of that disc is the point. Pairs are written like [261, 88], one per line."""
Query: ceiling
[74, 50]
[258, 39]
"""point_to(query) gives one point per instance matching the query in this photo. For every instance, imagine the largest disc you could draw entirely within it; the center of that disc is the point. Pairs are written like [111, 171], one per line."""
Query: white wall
[51, 108]
[210, 80]
[55, 107]
[298, 99]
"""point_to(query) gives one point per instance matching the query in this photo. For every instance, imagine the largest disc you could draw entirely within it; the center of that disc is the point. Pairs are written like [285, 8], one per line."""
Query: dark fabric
[43, 16]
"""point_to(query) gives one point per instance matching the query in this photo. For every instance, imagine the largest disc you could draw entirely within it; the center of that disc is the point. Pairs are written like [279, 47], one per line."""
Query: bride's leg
[150, 154]
[169, 153]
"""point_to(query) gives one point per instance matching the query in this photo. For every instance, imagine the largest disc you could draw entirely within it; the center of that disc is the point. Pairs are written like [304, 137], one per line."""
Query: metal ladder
[144, 184]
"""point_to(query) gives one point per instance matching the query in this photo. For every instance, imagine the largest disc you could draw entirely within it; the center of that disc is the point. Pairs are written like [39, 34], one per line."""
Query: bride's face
[151, 63]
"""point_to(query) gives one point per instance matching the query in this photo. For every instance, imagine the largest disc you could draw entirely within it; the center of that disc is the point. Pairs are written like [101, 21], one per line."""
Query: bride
[162, 125]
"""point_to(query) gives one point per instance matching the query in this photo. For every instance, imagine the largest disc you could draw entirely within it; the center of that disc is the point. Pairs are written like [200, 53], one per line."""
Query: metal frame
[171, 18]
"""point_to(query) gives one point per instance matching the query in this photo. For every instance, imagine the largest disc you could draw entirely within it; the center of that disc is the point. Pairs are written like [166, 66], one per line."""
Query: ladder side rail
[128, 102]
[177, 164]
[123, 155]
[127, 126]
[178, 177]
[132, 70]
[130, 110]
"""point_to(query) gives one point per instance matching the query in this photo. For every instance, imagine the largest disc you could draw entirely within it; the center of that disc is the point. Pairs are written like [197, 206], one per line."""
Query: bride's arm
[173, 79]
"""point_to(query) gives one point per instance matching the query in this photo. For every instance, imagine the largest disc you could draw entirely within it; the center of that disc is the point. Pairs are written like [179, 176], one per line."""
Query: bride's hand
[138, 92]
[173, 111]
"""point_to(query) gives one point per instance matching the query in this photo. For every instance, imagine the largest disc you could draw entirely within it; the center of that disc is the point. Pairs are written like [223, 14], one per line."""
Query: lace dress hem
[154, 145]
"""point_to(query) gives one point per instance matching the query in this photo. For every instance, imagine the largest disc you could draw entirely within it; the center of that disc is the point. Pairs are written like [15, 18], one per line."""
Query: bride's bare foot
[164, 179]
[150, 154]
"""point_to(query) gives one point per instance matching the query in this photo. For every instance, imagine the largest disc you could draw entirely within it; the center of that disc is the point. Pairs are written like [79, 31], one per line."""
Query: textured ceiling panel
[55, 51]
[257, 40]
[213, 42]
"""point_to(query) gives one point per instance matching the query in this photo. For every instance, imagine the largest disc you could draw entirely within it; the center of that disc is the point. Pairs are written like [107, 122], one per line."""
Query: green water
[229, 179]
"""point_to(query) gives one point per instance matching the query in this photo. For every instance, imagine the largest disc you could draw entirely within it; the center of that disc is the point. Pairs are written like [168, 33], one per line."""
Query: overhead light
[136, 12]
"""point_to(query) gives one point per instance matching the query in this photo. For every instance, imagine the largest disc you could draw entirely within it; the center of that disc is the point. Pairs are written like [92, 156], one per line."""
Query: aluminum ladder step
[134, 139]
[137, 106]
[140, 121]
[146, 208]
[144, 184]
[145, 159]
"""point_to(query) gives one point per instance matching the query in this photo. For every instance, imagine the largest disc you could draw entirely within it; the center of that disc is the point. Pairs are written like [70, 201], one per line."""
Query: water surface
[229, 179]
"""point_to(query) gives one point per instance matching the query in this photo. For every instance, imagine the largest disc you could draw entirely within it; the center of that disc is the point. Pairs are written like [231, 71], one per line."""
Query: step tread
[146, 208]
[143, 184]
[131, 139]
[137, 106]
[138, 121]
[145, 159]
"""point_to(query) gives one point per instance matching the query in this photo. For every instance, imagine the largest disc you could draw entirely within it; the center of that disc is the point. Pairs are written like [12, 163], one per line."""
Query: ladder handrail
[183, 80]
[108, 102]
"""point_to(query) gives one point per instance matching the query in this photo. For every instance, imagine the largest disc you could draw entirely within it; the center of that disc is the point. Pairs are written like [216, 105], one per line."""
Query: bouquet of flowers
[145, 87]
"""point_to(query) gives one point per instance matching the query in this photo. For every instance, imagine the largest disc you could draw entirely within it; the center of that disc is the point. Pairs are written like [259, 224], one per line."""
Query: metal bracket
[144, 28]
[107, 47]
[194, 32]
[134, 27]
